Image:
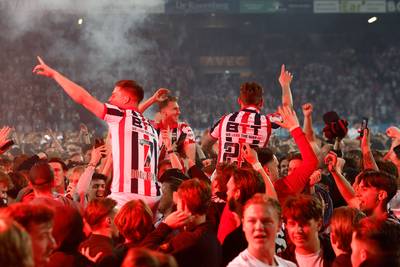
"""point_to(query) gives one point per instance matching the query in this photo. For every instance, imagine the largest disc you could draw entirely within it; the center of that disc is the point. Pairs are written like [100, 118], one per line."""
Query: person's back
[99, 214]
[244, 126]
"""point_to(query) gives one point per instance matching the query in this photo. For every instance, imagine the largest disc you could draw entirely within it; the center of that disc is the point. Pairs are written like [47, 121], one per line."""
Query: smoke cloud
[107, 45]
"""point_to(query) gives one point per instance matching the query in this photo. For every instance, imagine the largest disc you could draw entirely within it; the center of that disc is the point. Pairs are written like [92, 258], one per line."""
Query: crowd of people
[215, 169]
[149, 193]
[331, 77]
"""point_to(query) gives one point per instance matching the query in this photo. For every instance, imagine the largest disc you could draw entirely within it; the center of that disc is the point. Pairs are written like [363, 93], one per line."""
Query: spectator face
[368, 197]
[43, 242]
[284, 167]
[273, 170]
[58, 173]
[293, 165]
[97, 189]
[303, 234]
[231, 191]
[260, 225]
[358, 252]
[171, 112]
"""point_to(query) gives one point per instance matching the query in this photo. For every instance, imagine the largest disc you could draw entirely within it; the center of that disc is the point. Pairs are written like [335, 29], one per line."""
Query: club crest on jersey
[147, 150]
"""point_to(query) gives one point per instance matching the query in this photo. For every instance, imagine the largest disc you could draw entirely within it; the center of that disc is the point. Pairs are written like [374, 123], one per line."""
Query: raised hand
[289, 118]
[285, 78]
[334, 163]
[166, 138]
[365, 139]
[86, 252]
[249, 154]
[96, 155]
[315, 177]
[307, 109]
[43, 69]
[161, 94]
[177, 219]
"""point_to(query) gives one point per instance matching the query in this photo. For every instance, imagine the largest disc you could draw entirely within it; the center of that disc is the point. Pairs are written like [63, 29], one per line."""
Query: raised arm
[299, 178]
[367, 157]
[159, 96]
[76, 92]
[308, 124]
[335, 166]
[84, 181]
[251, 157]
[285, 79]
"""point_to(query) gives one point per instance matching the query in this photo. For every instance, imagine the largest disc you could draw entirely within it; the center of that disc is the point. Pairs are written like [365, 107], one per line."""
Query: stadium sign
[203, 6]
[349, 6]
[218, 64]
[393, 6]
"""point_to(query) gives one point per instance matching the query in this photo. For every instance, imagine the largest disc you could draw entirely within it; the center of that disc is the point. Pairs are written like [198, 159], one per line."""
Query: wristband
[257, 166]
[170, 151]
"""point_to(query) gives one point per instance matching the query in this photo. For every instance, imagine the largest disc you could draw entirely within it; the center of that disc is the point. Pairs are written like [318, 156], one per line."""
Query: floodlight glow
[372, 19]
[80, 21]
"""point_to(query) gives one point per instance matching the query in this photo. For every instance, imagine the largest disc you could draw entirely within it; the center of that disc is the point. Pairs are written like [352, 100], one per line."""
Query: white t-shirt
[310, 260]
[245, 259]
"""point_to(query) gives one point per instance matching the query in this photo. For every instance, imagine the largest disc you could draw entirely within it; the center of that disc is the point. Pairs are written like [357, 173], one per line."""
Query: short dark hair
[165, 103]
[381, 235]
[196, 194]
[132, 88]
[302, 208]
[380, 180]
[248, 182]
[98, 209]
[99, 176]
[251, 93]
[265, 155]
[58, 160]
[387, 166]
[41, 174]
[26, 214]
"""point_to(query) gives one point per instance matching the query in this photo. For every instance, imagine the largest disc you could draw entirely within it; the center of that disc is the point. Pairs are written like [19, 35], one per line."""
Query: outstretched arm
[299, 178]
[251, 157]
[76, 92]
[285, 79]
[159, 96]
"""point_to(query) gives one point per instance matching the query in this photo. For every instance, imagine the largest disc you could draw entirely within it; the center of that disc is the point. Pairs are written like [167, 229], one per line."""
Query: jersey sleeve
[112, 114]
[215, 129]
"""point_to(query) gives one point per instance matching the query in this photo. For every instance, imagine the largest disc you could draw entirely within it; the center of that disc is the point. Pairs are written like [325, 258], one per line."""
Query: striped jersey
[134, 144]
[234, 129]
[176, 132]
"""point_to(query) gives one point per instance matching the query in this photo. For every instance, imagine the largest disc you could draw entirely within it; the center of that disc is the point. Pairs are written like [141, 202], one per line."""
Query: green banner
[259, 6]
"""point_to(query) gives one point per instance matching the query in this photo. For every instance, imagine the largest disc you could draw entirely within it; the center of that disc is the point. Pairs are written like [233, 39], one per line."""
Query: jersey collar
[252, 109]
